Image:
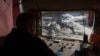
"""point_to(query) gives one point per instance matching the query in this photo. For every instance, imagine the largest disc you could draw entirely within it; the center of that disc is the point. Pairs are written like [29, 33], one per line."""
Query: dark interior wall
[16, 11]
[59, 4]
[97, 23]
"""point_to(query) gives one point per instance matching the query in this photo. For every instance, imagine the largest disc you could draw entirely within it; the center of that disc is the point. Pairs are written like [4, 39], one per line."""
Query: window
[66, 24]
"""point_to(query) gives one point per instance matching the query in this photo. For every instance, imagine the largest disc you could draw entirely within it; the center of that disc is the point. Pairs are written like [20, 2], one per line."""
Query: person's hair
[23, 19]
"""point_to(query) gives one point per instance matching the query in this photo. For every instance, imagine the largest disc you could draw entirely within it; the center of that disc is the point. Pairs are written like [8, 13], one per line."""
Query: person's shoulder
[17, 33]
[11, 33]
[36, 38]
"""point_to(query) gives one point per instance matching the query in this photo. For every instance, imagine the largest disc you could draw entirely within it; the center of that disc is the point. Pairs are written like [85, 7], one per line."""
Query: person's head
[27, 22]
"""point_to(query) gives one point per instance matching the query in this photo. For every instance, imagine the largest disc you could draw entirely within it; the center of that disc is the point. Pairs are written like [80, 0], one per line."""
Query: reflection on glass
[65, 24]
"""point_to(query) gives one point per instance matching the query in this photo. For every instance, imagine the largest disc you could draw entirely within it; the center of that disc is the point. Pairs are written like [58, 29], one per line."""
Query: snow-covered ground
[69, 25]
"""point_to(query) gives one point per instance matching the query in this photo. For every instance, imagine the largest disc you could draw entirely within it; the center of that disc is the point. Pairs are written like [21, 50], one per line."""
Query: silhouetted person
[23, 39]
